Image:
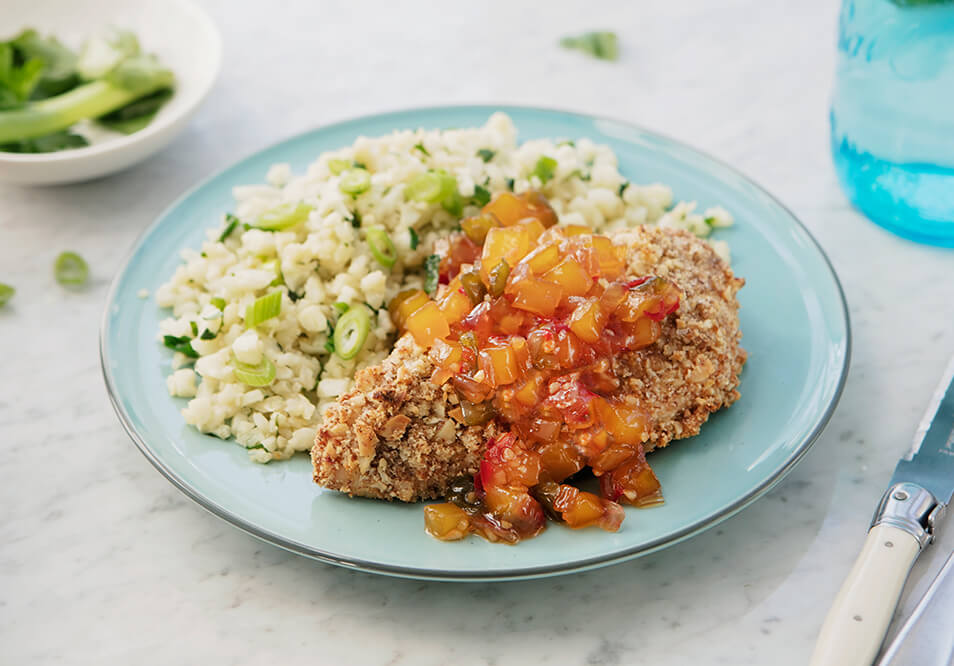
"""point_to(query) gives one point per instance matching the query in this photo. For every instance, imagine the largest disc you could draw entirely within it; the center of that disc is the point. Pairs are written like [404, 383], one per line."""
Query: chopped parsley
[481, 196]
[486, 154]
[414, 239]
[622, 188]
[432, 267]
[355, 219]
[510, 183]
[207, 335]
[180, 344]
[420, 147]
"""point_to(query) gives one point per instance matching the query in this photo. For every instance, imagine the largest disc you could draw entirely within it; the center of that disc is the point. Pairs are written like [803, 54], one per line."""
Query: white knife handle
[855, 626]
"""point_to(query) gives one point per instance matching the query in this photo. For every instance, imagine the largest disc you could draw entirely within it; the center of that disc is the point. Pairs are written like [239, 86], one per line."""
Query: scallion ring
[263, 308]
[70, 269]
[351, 331]
[283, 216]
[336, 165]
[261, 374]
[381, 246]
[354, 181]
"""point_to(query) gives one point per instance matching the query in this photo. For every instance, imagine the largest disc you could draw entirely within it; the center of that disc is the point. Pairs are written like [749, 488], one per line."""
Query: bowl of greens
[90, 87]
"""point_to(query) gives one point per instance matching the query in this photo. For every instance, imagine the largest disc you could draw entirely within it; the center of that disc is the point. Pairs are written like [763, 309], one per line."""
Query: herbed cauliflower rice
[325, 260]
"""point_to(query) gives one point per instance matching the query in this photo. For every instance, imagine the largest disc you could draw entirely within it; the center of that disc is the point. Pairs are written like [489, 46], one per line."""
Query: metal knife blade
[930, 462]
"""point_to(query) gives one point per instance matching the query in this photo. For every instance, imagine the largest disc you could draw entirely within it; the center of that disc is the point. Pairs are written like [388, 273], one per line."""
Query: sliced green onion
[600, 44]
[340, 307]
[70, 269]
[283, 216]
[195, 328]
[414, 239]
[275, 266]
[263, 309]
[336, 166]
[6, 293]
[426, 187]
[261, 374]
[230, 227]
[351, 331]
[180, 344]
[354, 181]
[218, 302]
[432, 268]
[381, 246]
[545, 168]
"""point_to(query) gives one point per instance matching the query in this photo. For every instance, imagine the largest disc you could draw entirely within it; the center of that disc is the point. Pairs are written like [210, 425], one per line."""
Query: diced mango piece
[570, 276]
[499, 364]
[427, 324]
[588, 321]
[609, 257]
[543, 258]
[537, 296]
[404, 304]
[456, 303]
[509, 244]
[534, 228]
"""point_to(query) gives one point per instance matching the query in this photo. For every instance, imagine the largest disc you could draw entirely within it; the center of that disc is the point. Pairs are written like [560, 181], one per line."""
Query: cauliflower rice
[325, 260]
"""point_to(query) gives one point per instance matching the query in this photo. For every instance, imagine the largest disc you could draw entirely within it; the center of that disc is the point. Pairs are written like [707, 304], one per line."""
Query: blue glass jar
[892, 115]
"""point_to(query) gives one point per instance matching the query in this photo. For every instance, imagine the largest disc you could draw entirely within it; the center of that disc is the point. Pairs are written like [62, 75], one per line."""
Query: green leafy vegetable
[283, 216]
[263, 309]
[414, 239]
[354, 181]
[420, 147]
[261, 374]
[136, 115]
[481, 196]
[486, 154]
[45, 88]
[432, 267]
[231, 223]
[601, 44]
[6, 293]
[180, 344]
[351, 331]
[544, 169]
[46, 144]
[70, 269]
[381, 246]
[17, 82]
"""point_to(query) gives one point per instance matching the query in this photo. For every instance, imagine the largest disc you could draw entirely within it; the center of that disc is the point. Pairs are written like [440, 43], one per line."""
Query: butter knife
[927, 638]
[908, 514]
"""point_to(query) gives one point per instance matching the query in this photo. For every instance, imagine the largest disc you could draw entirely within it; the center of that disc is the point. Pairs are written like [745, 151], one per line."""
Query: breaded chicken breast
[392, 436]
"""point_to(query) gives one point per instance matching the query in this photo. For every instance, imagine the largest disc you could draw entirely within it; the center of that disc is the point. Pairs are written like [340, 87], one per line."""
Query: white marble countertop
[104, 562]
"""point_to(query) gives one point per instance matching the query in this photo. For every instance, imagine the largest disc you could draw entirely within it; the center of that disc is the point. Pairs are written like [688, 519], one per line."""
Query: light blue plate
[794, 321]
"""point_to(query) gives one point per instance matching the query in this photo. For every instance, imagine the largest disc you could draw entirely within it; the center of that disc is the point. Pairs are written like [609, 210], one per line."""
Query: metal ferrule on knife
[911, 508]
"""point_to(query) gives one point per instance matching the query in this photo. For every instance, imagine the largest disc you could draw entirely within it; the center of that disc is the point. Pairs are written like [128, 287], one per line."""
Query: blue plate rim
[450, 575]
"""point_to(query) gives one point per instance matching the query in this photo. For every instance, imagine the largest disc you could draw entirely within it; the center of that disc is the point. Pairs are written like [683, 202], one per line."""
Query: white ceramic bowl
[177, 31]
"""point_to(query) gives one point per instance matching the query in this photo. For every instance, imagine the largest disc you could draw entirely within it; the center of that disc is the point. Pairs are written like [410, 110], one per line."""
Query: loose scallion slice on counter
[432, 267]
[600, 44]
[231, 223]
[261, 374]
[354, 181]
[6, 293]
[336, 166]
[70, 269]
[351, 331]
[414, 239]
[381, 246]
[283, 216]
[544, 169]
[218, 302]
[263, 309]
